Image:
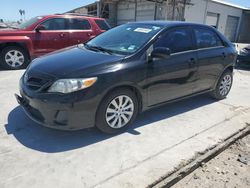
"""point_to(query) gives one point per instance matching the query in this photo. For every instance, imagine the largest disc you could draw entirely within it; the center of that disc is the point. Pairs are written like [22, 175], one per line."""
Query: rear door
[175, 76]
[80, 31]
[211, 57]
[54, 36]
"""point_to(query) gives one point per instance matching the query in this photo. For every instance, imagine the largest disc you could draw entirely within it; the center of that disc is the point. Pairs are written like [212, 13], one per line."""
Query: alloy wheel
[14, 58]
[225, 85]
[119, 111]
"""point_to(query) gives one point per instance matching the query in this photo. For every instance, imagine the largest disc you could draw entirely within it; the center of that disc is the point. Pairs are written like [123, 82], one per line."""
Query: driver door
[173, 77]
[54, 36]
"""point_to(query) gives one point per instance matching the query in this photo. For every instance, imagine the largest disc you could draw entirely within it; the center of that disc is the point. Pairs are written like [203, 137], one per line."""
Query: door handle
[223, 55]
[192, 62]
[62, 35]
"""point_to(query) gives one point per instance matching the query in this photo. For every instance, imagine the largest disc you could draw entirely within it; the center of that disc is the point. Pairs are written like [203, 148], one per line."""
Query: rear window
[102, 24]
[79, 24]
[206, 38]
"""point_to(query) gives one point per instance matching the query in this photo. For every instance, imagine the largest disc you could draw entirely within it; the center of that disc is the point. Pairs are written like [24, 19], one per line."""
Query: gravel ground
[231, 168]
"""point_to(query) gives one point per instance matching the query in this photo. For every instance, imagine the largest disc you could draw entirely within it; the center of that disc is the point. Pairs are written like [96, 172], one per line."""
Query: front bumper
[57, 114]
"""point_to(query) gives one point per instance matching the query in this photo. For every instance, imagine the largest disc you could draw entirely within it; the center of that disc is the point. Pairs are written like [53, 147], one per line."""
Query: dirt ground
[231, 168]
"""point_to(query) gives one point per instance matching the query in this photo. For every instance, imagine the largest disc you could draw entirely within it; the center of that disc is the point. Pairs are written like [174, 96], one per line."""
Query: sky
[9, 9]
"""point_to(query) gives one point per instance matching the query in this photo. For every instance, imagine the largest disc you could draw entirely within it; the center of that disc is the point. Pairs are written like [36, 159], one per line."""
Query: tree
[22, 13]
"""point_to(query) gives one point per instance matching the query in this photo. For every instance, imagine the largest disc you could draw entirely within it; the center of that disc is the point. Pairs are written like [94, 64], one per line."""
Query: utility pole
[21, 14]
[173, 14]
[155, 15]
[136, 5]
[205, 14]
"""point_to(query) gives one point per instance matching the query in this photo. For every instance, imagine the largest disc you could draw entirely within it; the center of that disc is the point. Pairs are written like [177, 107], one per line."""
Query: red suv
[44, 34]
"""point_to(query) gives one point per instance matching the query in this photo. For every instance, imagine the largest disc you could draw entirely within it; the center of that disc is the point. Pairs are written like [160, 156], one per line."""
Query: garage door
[212, 19]
[125, 12]
[231, 27]
[145, 11]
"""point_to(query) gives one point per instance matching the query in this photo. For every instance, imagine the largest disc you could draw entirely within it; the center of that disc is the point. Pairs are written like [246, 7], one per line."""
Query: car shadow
[43, 139]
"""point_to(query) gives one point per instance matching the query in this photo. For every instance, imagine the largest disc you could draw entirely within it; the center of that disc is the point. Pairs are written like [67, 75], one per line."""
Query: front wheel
[223, 86]
[14, 58]
[117, 111]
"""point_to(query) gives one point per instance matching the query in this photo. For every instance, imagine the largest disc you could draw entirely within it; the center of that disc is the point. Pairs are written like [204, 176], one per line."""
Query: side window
[102, 24]
[79, 24]
[177, 40]
[55, 24]
[206, 38]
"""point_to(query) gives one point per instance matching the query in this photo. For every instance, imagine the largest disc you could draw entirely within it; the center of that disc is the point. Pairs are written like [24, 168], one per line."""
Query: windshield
[29, 22]
[125, 39]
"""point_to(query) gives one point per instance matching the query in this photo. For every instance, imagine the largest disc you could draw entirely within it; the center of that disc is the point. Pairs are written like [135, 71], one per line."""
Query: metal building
[231, 20]
[122, 11]
[228, 18]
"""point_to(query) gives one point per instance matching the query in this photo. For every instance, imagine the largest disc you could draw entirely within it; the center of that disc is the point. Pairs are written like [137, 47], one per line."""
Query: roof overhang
[230, 4]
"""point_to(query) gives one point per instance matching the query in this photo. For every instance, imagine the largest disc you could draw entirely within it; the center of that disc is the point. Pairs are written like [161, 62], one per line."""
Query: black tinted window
[55, 24]
[206, 38]
[79, 24]
[178, 40]
[102, 24]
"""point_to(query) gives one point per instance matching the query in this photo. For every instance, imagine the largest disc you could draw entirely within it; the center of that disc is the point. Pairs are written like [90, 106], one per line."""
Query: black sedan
[129, 69]
[244, 57]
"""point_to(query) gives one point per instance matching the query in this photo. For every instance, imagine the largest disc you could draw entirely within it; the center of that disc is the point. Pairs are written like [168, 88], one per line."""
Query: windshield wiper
[13, 27]
[99, 48]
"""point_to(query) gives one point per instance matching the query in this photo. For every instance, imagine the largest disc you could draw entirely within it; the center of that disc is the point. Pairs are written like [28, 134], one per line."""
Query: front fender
[19, 39]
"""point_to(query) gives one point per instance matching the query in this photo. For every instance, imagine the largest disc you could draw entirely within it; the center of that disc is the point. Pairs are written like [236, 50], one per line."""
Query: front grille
[35, 113]
[37, 83]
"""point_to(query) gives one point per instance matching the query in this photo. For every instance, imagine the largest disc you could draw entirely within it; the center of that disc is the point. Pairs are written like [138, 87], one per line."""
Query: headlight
[71, 85]
[243, 52]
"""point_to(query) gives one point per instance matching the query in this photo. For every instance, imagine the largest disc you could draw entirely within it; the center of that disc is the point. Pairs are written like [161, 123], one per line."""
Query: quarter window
[178, 40]
[79, 24]
[102, 24]
[55, 24]
[207, 39]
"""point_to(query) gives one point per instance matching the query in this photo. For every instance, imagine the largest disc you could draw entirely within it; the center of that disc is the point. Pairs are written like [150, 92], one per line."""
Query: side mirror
[39, 28]
[161, 53]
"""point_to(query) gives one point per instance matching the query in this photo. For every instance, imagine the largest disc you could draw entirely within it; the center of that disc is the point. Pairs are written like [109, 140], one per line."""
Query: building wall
[112, 20]
[81, 10]
[125, 12]
[197, 13]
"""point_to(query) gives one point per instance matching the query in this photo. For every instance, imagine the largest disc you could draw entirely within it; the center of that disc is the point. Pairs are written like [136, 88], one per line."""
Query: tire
[17, 56]
[107, 110]
[225, 82]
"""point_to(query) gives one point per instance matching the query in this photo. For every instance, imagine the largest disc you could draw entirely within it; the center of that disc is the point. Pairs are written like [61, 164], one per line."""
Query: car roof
[71, 16]
[169, 23]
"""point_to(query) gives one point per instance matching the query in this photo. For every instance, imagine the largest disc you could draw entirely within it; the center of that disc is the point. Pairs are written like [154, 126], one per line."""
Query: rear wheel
[117, 111]
[14, 58]
[223, 86]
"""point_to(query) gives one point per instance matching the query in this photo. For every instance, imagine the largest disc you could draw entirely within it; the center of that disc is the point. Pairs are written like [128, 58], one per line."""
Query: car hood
[9, 31]
[13, 32]
[73, 61]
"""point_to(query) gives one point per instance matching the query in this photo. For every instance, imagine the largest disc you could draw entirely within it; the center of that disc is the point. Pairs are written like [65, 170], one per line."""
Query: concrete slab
[161, 140]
